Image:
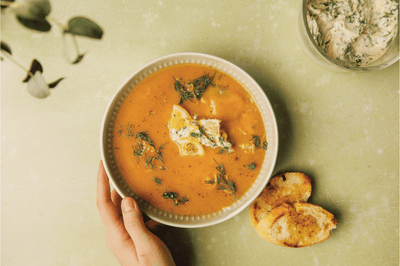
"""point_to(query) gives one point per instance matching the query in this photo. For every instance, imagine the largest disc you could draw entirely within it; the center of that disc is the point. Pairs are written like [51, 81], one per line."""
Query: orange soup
[189, 139]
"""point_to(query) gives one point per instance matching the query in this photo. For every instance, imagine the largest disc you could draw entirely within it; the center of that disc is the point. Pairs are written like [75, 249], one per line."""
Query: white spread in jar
[355, 32]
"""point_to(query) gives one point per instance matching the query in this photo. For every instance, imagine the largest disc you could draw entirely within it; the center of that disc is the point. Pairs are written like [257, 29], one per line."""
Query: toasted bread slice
[298, 225]
[284, 188]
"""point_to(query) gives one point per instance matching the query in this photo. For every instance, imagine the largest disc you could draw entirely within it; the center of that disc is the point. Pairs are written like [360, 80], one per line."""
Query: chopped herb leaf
[223, 150]
[211, 182]
[203, 130]
[201, 84]
[138, 150]
[256, 141]
[183, 93]
[251, 166]
[265, 145]
[157, 180]
[128, 128]
[195, 135]
[223, 182]
[144, 136]
[149, 162]
[184, 200]
[159, 154]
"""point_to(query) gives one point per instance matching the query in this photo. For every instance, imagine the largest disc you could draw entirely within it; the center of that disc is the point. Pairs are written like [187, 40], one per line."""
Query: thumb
[133, 220]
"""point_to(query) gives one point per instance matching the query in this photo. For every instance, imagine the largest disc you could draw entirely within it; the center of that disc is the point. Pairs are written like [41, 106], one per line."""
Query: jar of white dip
[356, 35]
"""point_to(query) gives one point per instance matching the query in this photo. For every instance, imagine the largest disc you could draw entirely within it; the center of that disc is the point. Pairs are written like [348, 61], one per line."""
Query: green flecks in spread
[356, 33]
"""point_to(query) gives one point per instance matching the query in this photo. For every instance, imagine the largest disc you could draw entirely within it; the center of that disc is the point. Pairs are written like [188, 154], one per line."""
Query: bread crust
[282, 216]
[296, 225]
[288, 187]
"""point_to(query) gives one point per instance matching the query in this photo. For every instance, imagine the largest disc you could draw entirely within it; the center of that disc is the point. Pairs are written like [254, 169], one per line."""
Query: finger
[116, 199]
[108, 211]
[152, 225]
[118, 239]
[149, 248]
[134, 224]
[103, 187]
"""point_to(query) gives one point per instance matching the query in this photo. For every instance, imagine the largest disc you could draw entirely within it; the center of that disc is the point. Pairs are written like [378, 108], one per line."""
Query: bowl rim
[274, 133]
[337, 63]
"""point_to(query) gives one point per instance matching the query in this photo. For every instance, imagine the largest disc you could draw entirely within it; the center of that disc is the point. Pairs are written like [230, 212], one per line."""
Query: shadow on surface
[275, 95]
[177, 241]
[286, 132]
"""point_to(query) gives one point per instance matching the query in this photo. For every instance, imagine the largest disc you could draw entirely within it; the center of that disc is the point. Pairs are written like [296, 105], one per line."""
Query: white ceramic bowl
[318, 55]
[257, 94]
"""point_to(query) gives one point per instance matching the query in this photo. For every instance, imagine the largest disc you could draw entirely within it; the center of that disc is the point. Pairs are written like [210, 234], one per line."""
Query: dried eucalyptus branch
[35, 15]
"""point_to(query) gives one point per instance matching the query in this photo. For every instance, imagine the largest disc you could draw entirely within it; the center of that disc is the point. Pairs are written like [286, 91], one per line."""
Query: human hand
[127, 236]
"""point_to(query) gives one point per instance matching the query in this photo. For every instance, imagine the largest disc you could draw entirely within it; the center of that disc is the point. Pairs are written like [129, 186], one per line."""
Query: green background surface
[342, 129]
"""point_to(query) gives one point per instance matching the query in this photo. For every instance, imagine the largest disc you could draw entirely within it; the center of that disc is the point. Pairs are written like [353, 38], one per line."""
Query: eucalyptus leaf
[84, 27]
[37, 86]
[39, 25]
[35, 67]
[5, 47]
[32, 14]
[33, 9]
[55, 83]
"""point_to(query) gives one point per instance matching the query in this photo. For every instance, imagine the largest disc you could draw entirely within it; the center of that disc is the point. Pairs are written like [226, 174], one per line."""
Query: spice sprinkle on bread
[284, 188]
[282, 216]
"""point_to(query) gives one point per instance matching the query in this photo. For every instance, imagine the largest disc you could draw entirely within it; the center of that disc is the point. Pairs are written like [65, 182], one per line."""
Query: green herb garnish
[157, 180]
[211, 182]
[144, 136]
[175, 198]
[203, 130]
[251, 166]
[128, 128]
[159, 153]
[195, 135]
[184, 200]
[138, 150]
[184, 94]
[223, 148]
[256, 141]
[201, 84]
[149, 162]
[223, 182]
[265, 145]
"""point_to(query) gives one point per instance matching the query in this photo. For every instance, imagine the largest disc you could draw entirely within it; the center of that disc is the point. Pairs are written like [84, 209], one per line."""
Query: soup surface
[225, 146]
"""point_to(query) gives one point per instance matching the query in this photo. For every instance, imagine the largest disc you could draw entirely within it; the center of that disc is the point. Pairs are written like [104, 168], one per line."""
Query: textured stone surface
[341, 129]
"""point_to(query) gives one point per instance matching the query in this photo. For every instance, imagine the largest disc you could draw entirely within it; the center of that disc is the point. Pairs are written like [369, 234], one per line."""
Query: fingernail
[127, 205]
